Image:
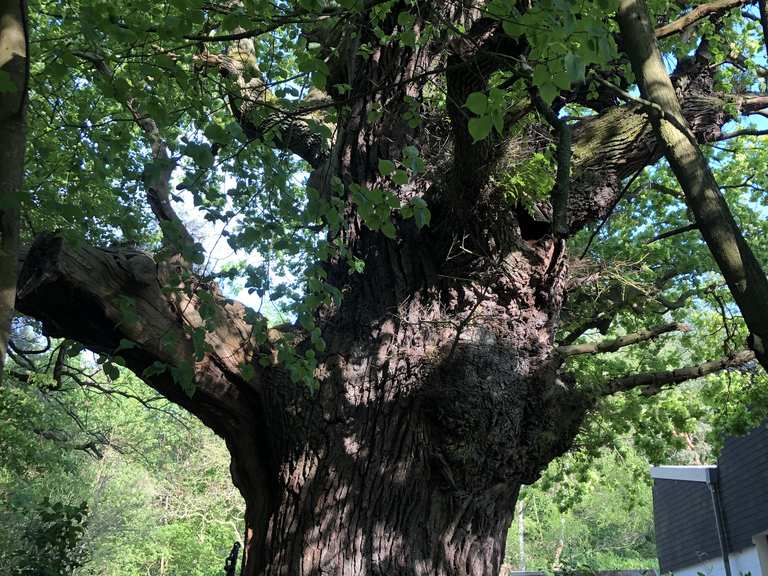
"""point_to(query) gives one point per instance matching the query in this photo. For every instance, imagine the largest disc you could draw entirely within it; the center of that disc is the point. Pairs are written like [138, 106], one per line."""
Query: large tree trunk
[407, 460]
[429, 417]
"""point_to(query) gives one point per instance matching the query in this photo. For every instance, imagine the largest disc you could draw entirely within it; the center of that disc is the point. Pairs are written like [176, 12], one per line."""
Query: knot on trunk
[475, 403]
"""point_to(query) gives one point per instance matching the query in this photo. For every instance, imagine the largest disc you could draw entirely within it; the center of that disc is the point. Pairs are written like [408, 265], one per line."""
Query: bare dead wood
[102, 298]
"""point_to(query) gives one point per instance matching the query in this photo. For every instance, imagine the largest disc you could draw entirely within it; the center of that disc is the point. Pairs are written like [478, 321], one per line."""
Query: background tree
[148, 484]
[13, 102]
[399, 174]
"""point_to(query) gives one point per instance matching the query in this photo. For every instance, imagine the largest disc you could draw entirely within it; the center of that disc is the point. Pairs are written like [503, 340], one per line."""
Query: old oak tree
[419, 184]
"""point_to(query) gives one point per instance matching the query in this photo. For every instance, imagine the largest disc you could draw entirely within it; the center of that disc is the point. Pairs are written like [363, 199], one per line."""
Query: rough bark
[13, 65]
[741, 270]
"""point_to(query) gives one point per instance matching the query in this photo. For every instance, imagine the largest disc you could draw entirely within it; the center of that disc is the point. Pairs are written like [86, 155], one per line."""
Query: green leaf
[112, 371]
[498, 122]
[477, 102]
[389, 229]
[561, 80]
[574, 68]
[480, 127]
[548, 92]
[247, 371]
[421, 213]
[400, 177]
[405, 19]
[541, 75]
[154, 369]
[125, 345]
[184, 376]
[386, 167]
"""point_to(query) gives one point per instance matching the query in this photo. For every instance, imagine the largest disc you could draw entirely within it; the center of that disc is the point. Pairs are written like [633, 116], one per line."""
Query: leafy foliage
[608, 527]
[155, 492]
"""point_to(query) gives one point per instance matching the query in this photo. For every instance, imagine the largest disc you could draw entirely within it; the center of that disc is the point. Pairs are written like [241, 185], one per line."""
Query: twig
[675, 232]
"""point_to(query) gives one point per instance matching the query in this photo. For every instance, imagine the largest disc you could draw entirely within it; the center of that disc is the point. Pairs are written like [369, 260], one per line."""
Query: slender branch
[742, 132]
[653, 382]
[19, 357]
[675, 232]
[700, 12]
[601, 322]
[614, 344]
[615, 203]
[158, 178]
[561, 190]
[296, 17]
[668, 191]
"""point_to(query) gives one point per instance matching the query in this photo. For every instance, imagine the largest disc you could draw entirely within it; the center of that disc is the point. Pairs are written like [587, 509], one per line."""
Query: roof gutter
[722, 536]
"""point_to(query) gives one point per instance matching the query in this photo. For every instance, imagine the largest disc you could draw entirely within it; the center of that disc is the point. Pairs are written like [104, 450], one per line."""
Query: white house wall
[742, 563]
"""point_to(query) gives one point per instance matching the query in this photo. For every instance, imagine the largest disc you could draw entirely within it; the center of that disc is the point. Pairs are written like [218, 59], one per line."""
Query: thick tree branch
[653, 382]
[157, 178]
[194, 347]
[14, 66]
[619, 142]
[737, 263]
[700, 12]
[112, 303]
[615, 344]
